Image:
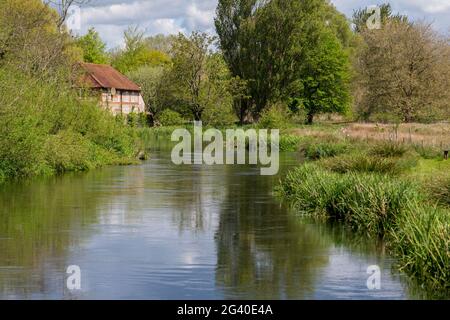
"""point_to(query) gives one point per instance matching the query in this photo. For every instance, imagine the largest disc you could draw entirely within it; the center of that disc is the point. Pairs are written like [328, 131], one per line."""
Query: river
[161, 231]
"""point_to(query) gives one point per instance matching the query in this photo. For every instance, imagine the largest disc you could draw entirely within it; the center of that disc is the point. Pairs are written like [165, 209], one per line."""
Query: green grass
[379, 206]
[362, 162]
[388, 149]
[367, 202]
[398, 192]
[316, 151]
[421, 242]
[289, 143]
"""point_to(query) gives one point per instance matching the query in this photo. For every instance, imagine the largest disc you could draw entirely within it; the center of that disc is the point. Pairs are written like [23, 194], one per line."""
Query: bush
[275, 117]
[48, 129]
[170, 118]
[221, 116]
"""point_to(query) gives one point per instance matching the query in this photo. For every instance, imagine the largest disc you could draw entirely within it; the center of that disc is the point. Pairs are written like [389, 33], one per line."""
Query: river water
[161, 231]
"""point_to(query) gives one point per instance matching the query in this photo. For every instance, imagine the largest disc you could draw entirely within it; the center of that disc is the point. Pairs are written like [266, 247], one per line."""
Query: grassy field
[381, 185]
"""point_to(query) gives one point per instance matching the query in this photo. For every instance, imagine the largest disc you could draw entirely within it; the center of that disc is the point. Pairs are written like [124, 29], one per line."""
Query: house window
[134, 97]
[116, 97]
[126, 96]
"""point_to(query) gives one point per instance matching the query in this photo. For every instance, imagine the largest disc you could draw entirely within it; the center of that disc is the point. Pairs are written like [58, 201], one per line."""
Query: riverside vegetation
[398, 191]
[383, 189]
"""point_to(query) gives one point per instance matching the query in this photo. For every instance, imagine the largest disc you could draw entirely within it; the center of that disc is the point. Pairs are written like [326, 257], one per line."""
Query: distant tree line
[299, 58]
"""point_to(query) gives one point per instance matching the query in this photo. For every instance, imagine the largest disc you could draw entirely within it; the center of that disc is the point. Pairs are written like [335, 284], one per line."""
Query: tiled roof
[104, 76]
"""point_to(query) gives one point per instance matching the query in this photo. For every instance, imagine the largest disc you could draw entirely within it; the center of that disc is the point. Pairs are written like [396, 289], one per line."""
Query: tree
[31, 42]
[250, 38]
[151, 81]
[62, 7]
[161, 43]
[324, 78]
[198, 77]
[360, 17]
[404, 71]
[136, 53]
[93, 47]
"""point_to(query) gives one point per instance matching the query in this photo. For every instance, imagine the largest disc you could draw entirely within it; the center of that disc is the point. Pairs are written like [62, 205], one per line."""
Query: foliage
[30, 40]
[45, 129]
[289, 143]
[170, 118]
[275, 117]
[360, 17]
[199, 78]
[320, 150]
[324, 79]
[249, 33]
[154, 88]
[403, 71]
[136, 53]
[94, 49]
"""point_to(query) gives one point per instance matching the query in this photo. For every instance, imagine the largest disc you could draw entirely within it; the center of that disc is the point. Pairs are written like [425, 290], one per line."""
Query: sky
[111, 17]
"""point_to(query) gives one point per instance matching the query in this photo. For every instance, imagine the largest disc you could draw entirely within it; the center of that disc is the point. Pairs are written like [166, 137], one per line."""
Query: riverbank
[46, 129]
[395, 190]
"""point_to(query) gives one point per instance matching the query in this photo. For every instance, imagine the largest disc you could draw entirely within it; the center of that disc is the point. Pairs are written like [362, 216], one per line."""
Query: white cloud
[112, 17]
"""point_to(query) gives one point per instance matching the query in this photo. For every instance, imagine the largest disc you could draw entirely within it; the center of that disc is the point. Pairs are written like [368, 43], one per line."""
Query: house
[116, 92]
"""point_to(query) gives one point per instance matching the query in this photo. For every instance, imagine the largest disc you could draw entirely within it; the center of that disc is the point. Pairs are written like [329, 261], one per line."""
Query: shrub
[48, 129]
[275, 117]
[68, 151]
[170, 118]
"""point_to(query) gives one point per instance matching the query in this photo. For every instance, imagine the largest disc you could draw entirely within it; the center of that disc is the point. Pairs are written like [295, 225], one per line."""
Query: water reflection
[174, 232]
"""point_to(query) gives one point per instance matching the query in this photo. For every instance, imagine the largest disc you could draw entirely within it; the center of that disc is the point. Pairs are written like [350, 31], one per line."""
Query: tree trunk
[310, 118]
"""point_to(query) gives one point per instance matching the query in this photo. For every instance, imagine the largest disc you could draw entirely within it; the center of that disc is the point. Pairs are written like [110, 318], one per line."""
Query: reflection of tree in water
[263, 252]
[35, 217]
[196, 195]
[41, 220]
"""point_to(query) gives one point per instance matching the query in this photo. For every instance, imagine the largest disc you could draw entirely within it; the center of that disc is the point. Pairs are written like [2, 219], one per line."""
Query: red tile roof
[104, 76]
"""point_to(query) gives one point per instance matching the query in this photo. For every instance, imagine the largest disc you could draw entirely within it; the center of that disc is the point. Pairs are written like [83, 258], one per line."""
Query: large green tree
[199, 78]
[136, 53]
[94, 49]
[266, 44]
[324, 78]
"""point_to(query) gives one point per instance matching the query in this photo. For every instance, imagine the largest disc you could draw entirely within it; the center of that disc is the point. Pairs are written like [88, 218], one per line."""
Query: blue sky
[111, 17]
